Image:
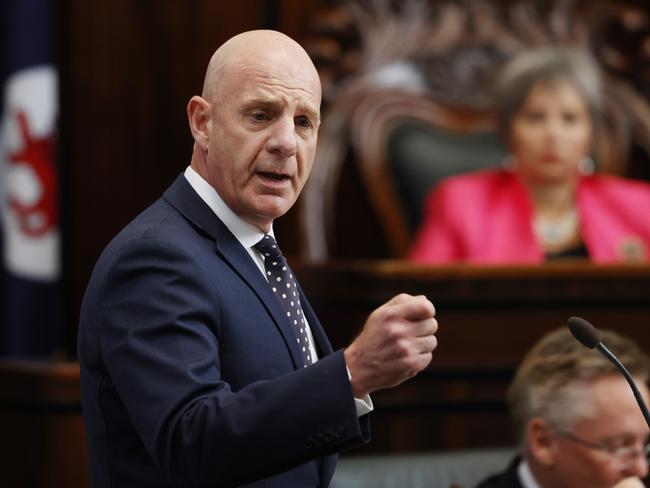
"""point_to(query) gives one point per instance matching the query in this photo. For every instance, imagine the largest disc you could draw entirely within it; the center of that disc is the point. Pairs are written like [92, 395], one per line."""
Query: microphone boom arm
[637, 394]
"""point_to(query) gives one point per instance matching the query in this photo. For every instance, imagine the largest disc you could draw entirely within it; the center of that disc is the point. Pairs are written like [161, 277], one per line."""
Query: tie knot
[269, 248]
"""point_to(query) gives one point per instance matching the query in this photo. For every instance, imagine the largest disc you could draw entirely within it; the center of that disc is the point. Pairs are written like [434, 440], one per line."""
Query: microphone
[587, 335]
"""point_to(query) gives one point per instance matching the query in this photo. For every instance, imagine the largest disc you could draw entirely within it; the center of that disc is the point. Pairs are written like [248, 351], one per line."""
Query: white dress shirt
[248, 235]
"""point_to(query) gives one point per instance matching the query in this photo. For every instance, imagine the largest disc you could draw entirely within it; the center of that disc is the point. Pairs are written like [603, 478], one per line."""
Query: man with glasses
[575, 417]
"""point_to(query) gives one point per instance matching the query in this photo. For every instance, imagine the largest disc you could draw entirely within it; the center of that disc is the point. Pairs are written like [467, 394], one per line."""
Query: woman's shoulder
[475, 180]
[473, 190]
[616, 185]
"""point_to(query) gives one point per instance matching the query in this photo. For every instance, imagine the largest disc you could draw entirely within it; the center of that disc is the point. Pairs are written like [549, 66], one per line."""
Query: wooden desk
[489, 317]
[41, 426]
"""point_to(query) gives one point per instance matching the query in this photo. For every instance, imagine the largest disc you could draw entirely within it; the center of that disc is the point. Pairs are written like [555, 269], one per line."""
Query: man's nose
[638, 466]
[282, 140]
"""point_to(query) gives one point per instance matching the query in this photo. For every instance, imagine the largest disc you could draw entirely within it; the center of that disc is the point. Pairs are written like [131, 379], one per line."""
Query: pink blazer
[486, 217]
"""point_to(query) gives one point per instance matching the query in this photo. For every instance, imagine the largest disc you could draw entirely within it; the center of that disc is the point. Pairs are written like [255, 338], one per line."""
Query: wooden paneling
[41, 427]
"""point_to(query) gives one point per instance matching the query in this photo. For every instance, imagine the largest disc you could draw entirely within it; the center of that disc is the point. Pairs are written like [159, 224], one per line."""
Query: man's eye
[303, 122]
[260, 116]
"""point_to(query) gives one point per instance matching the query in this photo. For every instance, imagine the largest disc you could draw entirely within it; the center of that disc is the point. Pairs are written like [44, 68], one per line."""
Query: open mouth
[273, 176]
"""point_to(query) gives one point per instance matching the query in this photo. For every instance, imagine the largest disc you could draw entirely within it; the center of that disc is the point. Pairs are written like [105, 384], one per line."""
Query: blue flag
[31, 304]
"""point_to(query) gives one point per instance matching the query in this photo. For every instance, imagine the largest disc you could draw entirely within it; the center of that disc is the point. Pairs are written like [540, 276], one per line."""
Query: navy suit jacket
[190, 371]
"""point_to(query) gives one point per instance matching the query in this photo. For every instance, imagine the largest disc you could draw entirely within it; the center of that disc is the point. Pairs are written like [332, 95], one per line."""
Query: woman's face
[552, 133]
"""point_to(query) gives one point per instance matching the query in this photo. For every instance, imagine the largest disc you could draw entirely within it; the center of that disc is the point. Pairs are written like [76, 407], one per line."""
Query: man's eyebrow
[311, 111]
[269, 100]
[261, 100]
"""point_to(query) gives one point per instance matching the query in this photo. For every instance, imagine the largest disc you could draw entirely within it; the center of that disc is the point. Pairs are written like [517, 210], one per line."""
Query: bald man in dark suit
[202, 362]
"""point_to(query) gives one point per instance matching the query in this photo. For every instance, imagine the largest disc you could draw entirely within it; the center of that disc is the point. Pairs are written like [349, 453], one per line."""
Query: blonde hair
[553, 379]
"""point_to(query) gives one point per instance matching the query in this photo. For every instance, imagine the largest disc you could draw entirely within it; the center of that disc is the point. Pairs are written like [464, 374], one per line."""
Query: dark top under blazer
[507, 479]
[190, 371]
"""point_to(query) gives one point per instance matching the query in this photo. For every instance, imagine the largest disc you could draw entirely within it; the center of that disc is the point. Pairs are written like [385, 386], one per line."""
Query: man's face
[262, 134]
[616, 422]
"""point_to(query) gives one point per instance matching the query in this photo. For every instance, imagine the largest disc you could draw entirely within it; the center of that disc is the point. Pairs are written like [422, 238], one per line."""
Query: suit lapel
[182, 196]
[240, 261]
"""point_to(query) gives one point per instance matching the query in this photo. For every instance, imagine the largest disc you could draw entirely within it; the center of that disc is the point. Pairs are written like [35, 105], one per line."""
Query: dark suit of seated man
[202, 362]
[576, 419]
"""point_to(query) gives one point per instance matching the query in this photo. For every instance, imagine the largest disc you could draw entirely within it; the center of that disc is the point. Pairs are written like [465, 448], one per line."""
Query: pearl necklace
[556, 231]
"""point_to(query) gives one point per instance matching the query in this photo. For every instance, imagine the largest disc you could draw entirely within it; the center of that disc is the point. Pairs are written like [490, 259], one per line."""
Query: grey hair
[553, 380]
[550, 64]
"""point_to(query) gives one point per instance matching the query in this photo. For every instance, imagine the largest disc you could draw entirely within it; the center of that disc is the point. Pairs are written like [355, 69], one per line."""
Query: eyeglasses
[623, 454]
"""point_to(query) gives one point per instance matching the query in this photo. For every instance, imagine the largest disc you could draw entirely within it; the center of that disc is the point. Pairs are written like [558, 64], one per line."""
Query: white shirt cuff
[363, 405]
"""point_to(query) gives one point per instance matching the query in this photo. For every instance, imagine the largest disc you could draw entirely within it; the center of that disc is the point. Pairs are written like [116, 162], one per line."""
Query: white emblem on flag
[30, 190]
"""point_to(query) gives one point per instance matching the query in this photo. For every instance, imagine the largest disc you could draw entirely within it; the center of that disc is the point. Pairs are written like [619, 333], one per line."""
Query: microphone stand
[637, 395]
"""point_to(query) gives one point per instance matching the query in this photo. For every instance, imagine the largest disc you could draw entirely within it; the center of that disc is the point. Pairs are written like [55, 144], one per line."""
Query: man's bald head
[251, 49]
[255, 126]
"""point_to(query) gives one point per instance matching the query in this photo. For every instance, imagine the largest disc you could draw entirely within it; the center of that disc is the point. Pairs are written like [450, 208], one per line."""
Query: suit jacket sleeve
[165, 331]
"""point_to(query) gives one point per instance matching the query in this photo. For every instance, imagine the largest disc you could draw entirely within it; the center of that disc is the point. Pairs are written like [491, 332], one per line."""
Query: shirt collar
[526, 476]
[246, 233]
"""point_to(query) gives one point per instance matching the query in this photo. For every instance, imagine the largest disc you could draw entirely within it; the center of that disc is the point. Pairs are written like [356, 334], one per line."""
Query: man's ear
[541, 441]
[199, 116]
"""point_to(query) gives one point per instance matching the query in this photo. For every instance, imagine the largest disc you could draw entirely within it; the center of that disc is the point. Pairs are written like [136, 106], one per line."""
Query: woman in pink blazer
[546, 205]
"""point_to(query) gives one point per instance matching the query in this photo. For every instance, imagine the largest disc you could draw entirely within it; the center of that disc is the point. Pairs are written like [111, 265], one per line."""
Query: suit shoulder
[159, 222]
[159, 218]
[159, 229]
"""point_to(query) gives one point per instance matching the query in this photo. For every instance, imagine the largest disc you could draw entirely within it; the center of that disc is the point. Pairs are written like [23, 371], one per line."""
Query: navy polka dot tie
[284, 287]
